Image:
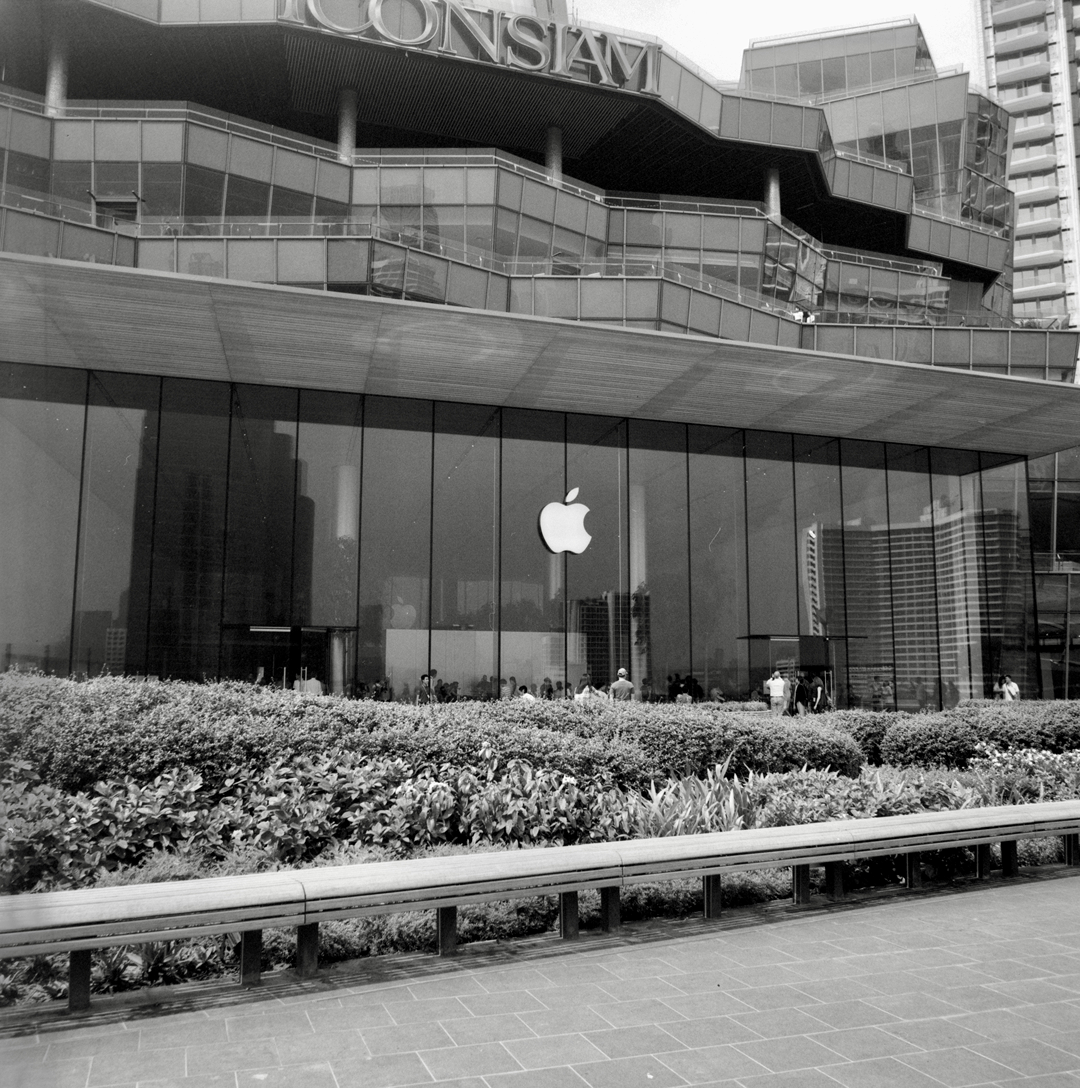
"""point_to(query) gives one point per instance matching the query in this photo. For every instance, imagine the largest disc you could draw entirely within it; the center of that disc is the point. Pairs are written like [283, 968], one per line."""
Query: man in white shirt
[774, 688]
[1010, 690]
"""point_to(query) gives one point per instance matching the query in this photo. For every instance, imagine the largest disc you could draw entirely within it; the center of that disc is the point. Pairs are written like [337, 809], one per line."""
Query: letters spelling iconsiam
[309, 308]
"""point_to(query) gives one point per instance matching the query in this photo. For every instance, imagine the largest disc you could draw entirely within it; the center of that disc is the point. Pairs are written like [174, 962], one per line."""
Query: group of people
[798, 697]
[1006, 688]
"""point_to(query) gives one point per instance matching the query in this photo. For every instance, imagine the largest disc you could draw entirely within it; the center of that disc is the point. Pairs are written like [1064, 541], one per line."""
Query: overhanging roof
[66, 313]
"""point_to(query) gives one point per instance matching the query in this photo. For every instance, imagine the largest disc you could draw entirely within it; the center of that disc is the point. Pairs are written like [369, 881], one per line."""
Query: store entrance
[317, 660]
[794, 656]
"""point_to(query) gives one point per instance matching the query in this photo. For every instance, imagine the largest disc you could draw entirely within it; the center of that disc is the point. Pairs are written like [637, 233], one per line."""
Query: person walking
[1010, 689]
[623, 690]
[774, 688]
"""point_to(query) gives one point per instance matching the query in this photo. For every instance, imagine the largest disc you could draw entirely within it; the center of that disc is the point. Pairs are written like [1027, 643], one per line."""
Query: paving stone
[426, 1012]
[957, 1067]
[780, 1023]
[487, 1029]
[353, 1018]
[514, 1001]
[1029, 1057]
[625, 1014]
[791, 1052]
[116, 1067]
[67, 1073]
[537, 1078]
[710, 1031]
[406, 1037]
[867, 1042]
[327, 1046]
[716, 1063]
[228, 1057]
[645, 1072]
[479, 1059]
[382, 1071]
[564, 1021]
[117, 1042]
[269, 1026]
[312, 1075]
[554, 1050]
[627, 1042]
[881, 1073]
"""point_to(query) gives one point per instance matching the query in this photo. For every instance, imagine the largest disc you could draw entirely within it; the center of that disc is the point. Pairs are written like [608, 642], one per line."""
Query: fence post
[307, 949]
[446, 924]
[913, 869]
[982, 861]
[251, 957]
[710, 894]
[800, 884]
[79, 980]
[568, 916]
[834, 879]
[610, 908]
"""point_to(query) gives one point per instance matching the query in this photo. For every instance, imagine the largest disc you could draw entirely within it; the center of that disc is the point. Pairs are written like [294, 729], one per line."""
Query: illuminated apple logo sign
[562, 525]
[402, 616]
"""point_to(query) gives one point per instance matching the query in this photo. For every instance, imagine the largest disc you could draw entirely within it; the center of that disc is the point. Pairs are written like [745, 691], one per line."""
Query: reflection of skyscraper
[919, 594]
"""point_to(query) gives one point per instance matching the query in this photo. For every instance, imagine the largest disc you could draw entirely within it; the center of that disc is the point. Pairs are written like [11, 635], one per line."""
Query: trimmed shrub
[951, 738]
[866, 727]
[77, 733]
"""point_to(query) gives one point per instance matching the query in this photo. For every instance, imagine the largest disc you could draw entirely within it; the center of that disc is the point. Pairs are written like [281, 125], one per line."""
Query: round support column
[56, 77]
[347, 107]
[772, 193]
[553, 152]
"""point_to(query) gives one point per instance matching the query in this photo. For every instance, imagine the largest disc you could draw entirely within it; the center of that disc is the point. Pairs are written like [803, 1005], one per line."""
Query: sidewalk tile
[487, 1029]
[405, 1038]
[849, 1014]
[934, 1034]
[327, 1046]
[957, 1067]
[426, 1012]
[564, 1021]
[537, 1078]
[649, 1010]
[450, 986]
[315, 1075]
[781, 1022]
[645, 1072]
[271, 1025]
[710, 1031]
[717, 1003]
[628, 1042]
[354, 1018]
[869, 1042]
[118, 1042]
[1002, 1024]
[527, 978]
[881, 1073]
[792, 1052]
[162, 1035]
[69, 1073]
[382, 1071]
[763, 998]
[120, 1068]
[491, 1004]
[554, 1050]
[715, 1063]
[914, 1006]
[227, 1057]
[1030, 1057]
[479, 1059]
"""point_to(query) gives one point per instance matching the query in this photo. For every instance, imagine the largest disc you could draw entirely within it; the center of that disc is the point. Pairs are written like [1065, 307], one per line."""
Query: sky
[713, 33]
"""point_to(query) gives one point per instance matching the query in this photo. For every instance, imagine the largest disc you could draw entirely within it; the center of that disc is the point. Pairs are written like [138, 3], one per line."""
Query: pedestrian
[623, 690]
[1010, 689]
[774, 688]
[817, 695]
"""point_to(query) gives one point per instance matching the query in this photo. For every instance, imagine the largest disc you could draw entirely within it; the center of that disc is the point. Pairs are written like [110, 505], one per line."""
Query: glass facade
[191, 529]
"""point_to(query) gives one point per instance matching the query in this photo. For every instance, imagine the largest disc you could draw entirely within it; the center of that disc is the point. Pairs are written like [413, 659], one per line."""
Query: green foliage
[952, 738]
[865, 727]
[1024, 775]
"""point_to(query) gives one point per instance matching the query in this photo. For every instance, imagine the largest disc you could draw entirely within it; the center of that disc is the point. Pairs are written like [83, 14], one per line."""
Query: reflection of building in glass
[927, 599]
[297, 371]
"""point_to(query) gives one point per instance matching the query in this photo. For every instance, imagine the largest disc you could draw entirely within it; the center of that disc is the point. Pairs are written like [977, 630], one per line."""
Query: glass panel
[867, 576]
[533, 598]
[819, 523]
[444, 185]
[189, 530]
[161, 187]
[659, 559]
[770, 516]
[71, 182]
[914, 580]
[957, 501]
[262, 484]
[597, 579]
[246, 198]
[465, 549]
[290, 204]
[395, 545]
[1010, 612]
[718, 560]
[204, 191]
[41, 438]
[119, 469]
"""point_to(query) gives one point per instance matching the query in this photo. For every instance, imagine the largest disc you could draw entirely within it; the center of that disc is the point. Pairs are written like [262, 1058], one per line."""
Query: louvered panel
[62, 313]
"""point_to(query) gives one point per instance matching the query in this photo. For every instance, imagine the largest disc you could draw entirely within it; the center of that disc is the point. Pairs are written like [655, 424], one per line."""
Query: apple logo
[562, 526]
[402, 616]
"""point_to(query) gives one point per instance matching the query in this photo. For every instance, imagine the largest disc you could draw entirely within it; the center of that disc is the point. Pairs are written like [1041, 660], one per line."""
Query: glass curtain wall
[335, 543]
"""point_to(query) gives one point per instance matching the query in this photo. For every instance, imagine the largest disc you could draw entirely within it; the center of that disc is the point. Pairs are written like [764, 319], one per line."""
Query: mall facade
[347, 340]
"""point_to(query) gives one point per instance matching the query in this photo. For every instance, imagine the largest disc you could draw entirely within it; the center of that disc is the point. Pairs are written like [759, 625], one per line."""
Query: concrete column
[553, 152]
[772, 193]
[347, 479]
[346, 140]
[56, 78]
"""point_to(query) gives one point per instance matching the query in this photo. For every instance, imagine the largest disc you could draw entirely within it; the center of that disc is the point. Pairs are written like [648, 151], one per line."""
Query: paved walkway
[980, 986]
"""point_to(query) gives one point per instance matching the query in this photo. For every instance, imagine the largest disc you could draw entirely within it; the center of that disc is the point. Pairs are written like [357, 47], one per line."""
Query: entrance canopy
[63, 313]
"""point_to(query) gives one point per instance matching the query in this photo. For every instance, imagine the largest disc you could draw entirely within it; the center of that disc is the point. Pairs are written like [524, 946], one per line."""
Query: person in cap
[623, 690]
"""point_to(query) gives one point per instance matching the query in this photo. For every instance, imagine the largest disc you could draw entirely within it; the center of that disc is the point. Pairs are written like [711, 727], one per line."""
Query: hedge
[77, 733]
[951, 738]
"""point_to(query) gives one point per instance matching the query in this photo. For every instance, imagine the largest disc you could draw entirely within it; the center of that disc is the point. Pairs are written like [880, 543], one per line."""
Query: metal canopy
[65, 313]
